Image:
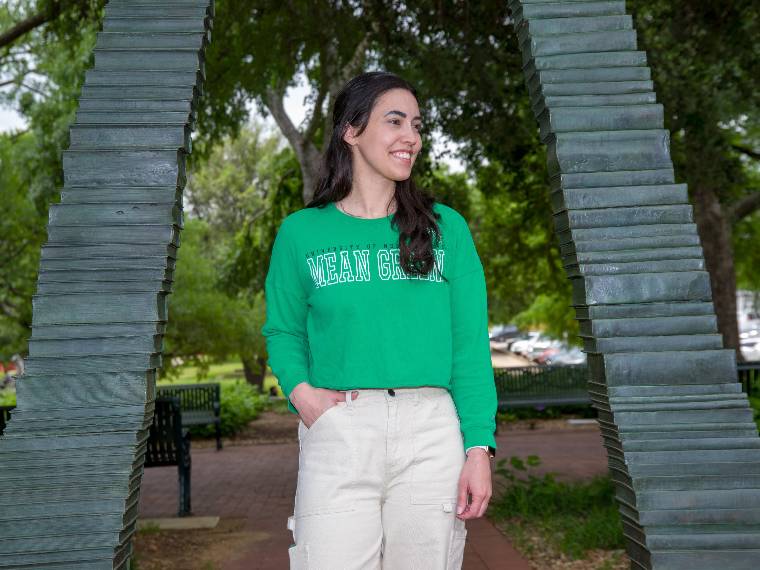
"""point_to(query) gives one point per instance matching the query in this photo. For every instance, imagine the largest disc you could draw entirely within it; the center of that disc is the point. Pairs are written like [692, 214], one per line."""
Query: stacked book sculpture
[71, 458]
[682, 447]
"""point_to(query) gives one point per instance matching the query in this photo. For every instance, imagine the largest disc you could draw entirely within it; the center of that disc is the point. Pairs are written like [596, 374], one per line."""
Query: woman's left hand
[475, 480]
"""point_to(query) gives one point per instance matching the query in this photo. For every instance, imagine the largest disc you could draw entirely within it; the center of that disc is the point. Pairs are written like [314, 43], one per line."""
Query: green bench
[201, 405]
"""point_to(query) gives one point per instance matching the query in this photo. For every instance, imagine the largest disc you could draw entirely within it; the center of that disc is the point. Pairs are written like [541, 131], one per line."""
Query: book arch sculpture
[682, 447]
[72, 456]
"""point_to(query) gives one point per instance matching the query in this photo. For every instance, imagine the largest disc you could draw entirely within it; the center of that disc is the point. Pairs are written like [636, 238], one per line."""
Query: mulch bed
[201, 549]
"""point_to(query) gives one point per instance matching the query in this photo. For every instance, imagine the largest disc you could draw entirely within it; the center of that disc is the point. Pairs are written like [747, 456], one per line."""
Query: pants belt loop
[348, 397]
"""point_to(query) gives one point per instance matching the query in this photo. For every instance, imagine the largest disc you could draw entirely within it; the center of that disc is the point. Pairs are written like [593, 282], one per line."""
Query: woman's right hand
[312, 402]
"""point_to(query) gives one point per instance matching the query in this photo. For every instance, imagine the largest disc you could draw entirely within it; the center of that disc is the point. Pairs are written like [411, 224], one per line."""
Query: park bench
[201, 405]
[749, 375]
[5, 416]
[541, 386]
[169, 444]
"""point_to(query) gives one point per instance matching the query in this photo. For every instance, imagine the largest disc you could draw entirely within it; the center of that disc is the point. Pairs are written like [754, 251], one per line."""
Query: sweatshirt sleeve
[472, 379]
[286, 311]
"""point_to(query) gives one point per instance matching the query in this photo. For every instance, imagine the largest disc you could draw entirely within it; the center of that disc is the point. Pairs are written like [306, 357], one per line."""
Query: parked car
[567, 357]
[750, 348]
[503, 332]
[543, 348]
[539, 345]
[524, 343]
[502, 336]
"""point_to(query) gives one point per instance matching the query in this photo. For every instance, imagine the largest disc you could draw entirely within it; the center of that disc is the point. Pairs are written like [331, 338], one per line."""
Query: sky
[10, 120]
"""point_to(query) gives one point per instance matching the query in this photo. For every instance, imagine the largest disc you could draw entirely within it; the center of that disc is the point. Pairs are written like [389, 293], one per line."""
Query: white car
[750, 348]
[525, 346]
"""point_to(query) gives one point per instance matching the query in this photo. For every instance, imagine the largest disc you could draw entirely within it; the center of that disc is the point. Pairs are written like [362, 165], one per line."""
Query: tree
[266, 44]
[704, 61]
[46, 65]
[705, 65]
[241, 193]
[205, 324]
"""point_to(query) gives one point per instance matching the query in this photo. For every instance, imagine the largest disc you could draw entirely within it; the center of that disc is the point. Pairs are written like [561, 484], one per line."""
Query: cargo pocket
[456, 546]
[438, 454]
[298, 555]
[327, 464]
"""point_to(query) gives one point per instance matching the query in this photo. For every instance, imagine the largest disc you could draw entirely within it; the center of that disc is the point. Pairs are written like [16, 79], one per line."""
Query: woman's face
[391, 141]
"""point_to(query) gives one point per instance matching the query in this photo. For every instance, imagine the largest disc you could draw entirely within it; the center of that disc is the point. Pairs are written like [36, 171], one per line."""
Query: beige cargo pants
[377, 484]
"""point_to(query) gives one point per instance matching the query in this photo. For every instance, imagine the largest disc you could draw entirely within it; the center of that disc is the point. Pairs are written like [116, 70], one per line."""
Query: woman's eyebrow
[417, 118]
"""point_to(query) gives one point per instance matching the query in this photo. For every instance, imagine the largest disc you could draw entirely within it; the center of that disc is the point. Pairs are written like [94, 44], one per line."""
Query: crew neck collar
[342, 214]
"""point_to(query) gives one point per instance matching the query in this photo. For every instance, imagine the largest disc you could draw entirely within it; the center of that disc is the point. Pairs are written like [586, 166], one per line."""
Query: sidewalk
[257, 483]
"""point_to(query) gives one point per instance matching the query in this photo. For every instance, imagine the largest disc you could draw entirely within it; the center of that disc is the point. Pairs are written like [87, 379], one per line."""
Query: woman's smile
[403, 155]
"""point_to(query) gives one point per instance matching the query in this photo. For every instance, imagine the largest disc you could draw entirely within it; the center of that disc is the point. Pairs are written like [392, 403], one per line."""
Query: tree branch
[336, 78]
[747, 151]
[24, 27]
[745, 206]
[316, 115]
[274, 102]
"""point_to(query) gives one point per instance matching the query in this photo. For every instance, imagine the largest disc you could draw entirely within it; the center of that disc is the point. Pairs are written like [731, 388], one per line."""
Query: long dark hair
[414, 218]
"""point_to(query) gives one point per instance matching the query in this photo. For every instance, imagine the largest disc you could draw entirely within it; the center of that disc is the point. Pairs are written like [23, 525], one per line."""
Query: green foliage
[7, 397]
[746, 238]
[553, 313]
[243, 191]
[22, 228]
[42, 73]
[205, 324]
[241, 403]
[754, 402]
[572, 517]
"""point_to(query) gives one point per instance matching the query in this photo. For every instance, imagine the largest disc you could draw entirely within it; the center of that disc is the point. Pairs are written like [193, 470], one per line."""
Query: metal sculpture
[72, 456]
[682, 447]
[681, 443]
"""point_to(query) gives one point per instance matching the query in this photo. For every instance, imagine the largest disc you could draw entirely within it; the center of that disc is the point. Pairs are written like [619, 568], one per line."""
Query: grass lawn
[228, 371]
[558, 524]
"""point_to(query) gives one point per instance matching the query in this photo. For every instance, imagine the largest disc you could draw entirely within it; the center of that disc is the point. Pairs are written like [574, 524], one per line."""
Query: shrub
[240, 404]
[7, 397]
[574, 517]
[546, 413]
[754, 401]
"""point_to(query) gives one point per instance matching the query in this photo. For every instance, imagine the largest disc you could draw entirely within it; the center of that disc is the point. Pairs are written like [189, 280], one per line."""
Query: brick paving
[258, 482]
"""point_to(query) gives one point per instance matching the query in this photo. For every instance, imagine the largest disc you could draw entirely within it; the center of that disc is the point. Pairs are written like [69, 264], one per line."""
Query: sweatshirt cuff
[475, 437]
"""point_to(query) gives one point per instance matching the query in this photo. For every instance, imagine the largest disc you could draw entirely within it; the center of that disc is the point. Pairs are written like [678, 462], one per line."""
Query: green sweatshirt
[342, 314]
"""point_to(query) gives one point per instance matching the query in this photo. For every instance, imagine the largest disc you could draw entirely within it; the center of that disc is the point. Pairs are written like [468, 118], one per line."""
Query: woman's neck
[370, 201]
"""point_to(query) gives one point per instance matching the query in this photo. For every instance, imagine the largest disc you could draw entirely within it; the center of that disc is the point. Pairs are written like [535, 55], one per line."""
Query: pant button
[391, 392]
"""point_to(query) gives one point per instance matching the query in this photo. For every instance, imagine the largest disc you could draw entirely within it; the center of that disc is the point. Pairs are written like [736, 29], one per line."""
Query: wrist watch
[491, 451]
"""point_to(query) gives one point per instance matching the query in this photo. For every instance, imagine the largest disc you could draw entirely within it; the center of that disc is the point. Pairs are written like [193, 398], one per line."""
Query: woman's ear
[349, 134]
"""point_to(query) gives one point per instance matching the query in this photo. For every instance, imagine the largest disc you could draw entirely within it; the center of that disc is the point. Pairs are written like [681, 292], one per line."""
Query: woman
[377, 332]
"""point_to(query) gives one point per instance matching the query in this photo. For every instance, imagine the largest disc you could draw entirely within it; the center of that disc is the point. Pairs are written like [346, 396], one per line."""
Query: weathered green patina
[682, 446]
[72, 456]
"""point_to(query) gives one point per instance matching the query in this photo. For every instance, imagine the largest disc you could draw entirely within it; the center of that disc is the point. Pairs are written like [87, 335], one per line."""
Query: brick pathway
[258, 482]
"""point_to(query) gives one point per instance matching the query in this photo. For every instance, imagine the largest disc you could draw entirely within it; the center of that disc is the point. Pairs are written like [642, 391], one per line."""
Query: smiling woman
[377, 331]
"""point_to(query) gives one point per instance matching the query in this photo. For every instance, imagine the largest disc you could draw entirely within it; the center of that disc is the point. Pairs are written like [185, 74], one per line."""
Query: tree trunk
[715, 233]
[251, 376]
